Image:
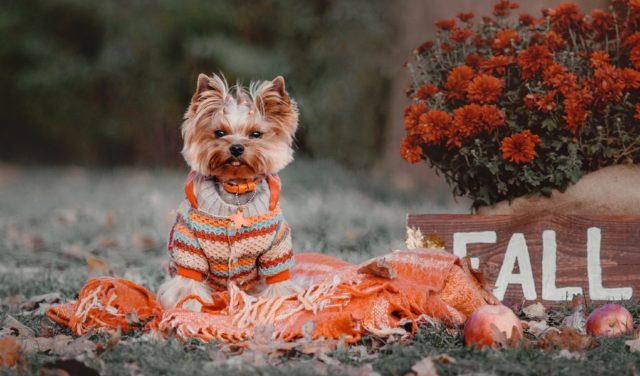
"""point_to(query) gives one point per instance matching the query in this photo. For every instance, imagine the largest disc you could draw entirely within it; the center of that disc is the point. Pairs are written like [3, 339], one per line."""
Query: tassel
[280, 289]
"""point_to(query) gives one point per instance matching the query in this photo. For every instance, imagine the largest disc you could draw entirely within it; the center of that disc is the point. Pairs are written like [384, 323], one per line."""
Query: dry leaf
[501, 339]
[538, 328]
[425, 367]
[35, 301]
[535, 311]
[378, 267]
[59, 345]
[434, 241]
[10, 352]
[415, 239]
[96, 265]
[633, 345]
[567, 338]
[443, 358]
[13, 327]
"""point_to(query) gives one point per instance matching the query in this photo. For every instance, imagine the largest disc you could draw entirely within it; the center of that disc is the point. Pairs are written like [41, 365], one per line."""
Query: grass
[51, 219]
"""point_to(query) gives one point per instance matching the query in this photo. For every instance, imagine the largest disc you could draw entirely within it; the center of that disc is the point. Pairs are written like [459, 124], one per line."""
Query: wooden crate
[545, 258]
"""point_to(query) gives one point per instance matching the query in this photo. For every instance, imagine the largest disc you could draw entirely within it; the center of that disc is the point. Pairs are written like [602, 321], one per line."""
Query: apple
[609, 320]
[485, 324]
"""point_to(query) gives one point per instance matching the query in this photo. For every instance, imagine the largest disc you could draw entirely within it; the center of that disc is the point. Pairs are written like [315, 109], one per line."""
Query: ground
[58, 226]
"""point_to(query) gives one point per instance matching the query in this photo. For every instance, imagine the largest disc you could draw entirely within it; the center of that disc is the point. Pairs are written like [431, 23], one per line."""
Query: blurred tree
[96, 82]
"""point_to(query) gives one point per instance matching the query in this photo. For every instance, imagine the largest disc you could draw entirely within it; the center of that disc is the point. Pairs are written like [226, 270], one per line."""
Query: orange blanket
[386, 295]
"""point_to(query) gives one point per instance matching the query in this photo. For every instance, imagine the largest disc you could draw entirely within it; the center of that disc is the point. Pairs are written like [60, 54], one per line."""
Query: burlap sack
[611, 190]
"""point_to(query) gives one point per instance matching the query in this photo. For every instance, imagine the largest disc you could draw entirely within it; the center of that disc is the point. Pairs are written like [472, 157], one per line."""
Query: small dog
[229, 229]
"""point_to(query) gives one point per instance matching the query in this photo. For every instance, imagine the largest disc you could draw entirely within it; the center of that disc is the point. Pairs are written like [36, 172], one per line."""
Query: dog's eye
[255, 134]
[219, 133]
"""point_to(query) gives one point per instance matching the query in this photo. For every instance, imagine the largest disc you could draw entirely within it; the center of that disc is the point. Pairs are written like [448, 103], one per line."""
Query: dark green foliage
[107, 82]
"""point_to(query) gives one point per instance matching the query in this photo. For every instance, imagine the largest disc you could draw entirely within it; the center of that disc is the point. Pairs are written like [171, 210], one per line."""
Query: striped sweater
[205, 244]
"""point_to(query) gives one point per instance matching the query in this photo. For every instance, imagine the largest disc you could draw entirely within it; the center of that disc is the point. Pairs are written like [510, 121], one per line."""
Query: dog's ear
[273, 101]
[208, 88]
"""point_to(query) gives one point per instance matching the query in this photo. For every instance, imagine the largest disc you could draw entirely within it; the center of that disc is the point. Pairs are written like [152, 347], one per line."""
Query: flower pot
[613, 190]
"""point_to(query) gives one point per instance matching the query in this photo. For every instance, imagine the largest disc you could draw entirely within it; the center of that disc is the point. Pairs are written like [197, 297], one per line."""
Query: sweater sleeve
[184, 249]
[274, 264]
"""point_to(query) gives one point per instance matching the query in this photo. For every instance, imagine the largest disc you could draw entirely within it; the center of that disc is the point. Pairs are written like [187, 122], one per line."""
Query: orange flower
[526, 19]
[446, 24]
[631, 78]
[434, 125]
[554, 41]
[632, 40]
[411, 149]
[425, 46]
[412, 115]
[485, 89]
[457, 82]
[497, 64]
[608, 84]
[520, 147]
[575, 109]
[472, 119]
[558, 77]
[492, 117]
[465, 17]
[601, 21]
[503, 8]
[460, 35]
[426, 92]
[533, 59]
[564, 17]
[505, 39]
[548, 102]
[634, 57]
[473, 60]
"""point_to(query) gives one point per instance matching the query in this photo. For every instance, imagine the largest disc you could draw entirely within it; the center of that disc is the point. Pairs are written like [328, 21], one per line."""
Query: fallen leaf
[13, 327]
[443, 358]
[434, 241]
[633, 345]
[566, 354]
[415, 239]
[35, 301]
[59, 345]
[535, 311]
[96, 265]
[567, 338]
[10, 352]
[425, 367]
[538, 328]
[69, 367]
[578, 318]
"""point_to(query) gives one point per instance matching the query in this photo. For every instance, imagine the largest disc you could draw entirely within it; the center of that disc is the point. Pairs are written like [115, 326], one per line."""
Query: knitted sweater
[205, 244]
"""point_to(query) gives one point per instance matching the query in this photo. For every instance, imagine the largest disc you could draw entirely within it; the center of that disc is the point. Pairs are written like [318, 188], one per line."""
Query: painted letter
[516, 251]
[549, 260]
[461, 239]
[596, 290]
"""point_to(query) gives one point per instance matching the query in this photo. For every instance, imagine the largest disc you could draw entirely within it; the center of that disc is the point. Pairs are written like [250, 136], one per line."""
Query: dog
[229, 229]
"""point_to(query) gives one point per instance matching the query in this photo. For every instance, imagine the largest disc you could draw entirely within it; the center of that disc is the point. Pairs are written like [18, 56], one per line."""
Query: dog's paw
[177, 288]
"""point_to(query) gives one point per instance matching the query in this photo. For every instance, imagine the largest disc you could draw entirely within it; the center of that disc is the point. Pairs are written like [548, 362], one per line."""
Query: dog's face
[240, 135]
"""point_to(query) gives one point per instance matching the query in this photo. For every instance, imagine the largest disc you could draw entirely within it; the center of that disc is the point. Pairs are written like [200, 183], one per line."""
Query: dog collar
[241, 187]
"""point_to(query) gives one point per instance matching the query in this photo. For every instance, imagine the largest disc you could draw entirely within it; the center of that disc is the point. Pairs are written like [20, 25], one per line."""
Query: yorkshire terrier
[229, 229]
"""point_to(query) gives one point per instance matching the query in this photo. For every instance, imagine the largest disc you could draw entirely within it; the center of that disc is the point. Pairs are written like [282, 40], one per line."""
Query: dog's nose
[236, 150]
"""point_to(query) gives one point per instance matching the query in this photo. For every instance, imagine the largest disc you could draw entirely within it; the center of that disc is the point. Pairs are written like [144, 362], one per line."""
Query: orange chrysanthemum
[457, 82]
[503, 8]
[425, 92]
[564, 17]
[520, 147]
[505, 38]
[608, 84]
[526, 19]
[425, 46]
[492, 117]
[576, 109]
[445, 24]
[533, 59]
[465, 17]
[559, 77]
[553, 41]
[601, 22]
[485, 89]
[460, 35]
[472, 119]
[631, 78]
[411, 149]
[433, 126]
[497, 65]
[473, 60]
[634, 57]
[412, 115]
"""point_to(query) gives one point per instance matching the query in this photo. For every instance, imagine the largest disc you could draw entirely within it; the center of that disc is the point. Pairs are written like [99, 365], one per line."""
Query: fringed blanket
[387, 295]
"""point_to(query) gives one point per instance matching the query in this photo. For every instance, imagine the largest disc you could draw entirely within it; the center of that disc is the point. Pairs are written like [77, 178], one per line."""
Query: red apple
[609, 320]
[485, 324]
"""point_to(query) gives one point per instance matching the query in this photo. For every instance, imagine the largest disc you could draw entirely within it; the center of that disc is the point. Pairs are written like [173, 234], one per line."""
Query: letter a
[516, 251]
